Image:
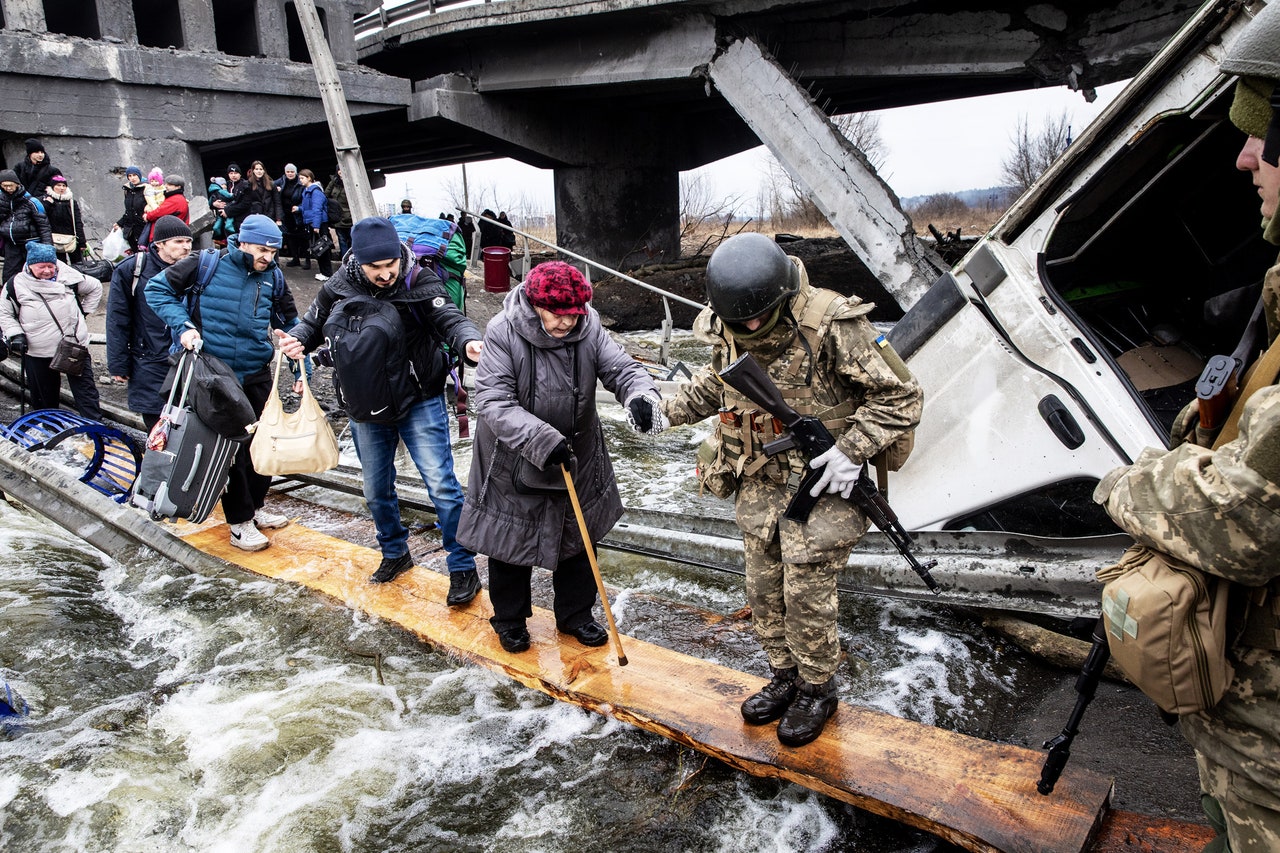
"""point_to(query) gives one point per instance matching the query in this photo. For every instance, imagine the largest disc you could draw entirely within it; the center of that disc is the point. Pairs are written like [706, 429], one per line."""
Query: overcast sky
[943, 147]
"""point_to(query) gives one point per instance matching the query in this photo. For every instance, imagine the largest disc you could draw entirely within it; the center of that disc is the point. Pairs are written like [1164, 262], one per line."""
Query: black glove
[640, 410]
[18, 345]
[559, 455]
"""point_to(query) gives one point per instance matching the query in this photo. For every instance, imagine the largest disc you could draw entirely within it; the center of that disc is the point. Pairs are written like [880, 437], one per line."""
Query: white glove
[838, 475]
[644, 414]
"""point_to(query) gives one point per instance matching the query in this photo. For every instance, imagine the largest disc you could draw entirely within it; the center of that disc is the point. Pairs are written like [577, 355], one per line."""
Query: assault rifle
[1086, 686]
[813, 439]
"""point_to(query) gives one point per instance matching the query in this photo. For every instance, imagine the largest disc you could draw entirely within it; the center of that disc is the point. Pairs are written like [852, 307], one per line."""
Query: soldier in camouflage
[1219, 510]
[829, 362]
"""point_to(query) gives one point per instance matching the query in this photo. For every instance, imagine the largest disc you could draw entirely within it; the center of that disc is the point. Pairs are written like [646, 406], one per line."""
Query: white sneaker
[270, 520]
[246, 537]
[321, 277]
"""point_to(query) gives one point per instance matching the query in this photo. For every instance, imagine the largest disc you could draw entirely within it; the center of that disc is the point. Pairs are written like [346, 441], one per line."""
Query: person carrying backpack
[386, 321]
[232, 313]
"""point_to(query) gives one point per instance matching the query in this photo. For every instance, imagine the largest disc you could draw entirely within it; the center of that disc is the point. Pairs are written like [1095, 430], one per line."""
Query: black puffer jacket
[36, 177]
[290, 195]
[22, 218]
[430, 318]
[64, 216]
[264, 199]
[241, 204]
[135, 204]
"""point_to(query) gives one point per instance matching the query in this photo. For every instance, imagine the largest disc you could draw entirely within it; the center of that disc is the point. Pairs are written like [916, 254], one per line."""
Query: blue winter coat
[236, 309]
[314, 206]
[137, 339]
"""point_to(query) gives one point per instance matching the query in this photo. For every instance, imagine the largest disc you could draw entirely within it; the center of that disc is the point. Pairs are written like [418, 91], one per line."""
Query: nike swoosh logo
[380, 411]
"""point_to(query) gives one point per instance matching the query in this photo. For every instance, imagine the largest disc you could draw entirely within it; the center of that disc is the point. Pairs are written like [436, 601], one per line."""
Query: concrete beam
[846, 189]
[198, 33]
[24, 15]
[622, 216]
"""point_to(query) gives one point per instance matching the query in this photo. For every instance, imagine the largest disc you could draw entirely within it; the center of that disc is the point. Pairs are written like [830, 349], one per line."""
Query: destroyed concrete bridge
[616, 96]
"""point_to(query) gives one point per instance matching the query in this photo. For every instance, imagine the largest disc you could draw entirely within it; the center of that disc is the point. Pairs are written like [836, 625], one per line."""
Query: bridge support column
[621, 216]
[24, 15]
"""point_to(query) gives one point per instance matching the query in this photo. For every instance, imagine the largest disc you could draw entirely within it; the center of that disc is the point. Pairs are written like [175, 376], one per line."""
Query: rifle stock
[1216, 391]
[813, 439]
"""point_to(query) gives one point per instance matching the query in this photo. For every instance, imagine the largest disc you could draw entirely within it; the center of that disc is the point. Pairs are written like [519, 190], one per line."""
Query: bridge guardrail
[367, 25]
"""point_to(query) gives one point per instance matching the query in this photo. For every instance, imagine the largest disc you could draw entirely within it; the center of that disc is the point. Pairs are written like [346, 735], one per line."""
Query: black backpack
[372, 373]
[333, 209]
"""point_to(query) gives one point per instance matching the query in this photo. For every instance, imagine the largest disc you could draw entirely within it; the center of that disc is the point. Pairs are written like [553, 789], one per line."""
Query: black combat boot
[804, 720]
[773, 699]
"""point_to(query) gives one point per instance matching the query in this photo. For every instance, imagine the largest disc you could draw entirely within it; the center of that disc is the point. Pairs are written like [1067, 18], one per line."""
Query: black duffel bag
[216, 396]
[95, 266]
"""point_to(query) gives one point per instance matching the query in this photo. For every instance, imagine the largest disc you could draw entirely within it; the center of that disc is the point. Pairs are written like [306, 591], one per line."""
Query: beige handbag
[300, 442]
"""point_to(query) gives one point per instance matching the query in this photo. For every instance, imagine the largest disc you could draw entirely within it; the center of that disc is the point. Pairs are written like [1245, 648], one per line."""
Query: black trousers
[45, 385]
[246, 488]
[512, 600]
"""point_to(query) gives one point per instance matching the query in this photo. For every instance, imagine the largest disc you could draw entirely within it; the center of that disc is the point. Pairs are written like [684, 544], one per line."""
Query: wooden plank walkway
[976, 794]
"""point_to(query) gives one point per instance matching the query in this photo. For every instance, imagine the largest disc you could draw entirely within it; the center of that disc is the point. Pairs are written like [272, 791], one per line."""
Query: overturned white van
[1069, 338]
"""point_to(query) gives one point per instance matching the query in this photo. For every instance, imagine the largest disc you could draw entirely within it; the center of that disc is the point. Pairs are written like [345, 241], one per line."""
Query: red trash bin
[497, 269]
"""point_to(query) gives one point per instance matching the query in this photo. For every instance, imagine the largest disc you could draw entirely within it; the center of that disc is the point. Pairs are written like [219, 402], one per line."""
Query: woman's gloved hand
[559, 455]
[644, 414]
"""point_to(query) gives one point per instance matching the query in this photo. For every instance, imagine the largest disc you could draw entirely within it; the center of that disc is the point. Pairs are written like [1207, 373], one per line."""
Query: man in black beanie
[403, 399]
[137, 340]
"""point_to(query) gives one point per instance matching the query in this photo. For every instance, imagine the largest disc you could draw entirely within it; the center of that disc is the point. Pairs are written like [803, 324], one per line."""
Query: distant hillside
[996, 197]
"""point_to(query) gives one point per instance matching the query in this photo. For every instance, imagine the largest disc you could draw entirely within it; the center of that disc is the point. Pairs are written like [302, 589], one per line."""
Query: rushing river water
[171, 711]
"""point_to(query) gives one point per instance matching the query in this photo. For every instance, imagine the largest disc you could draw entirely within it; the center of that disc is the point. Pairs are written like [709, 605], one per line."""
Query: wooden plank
[974, 793]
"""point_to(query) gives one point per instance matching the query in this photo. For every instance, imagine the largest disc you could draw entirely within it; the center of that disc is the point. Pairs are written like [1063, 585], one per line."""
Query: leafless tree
[787, 201]
[705, 220]
[1033, 153]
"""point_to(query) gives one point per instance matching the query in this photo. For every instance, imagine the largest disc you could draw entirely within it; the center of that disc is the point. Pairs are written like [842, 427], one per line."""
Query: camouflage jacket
[850, 386]
[1219, 510]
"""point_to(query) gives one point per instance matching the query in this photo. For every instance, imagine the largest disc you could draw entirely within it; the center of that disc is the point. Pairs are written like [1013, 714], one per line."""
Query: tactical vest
[744, 429]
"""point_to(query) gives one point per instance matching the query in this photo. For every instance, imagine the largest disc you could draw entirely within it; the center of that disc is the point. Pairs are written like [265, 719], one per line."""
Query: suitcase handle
[187, 358]
[195, 467]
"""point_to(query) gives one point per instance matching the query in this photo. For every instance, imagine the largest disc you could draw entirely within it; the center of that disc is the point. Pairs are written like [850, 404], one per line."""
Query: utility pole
[354, 177]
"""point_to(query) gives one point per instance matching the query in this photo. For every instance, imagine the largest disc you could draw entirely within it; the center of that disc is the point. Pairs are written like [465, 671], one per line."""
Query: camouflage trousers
[1243, 814]
[793, 609]
[1237, 744]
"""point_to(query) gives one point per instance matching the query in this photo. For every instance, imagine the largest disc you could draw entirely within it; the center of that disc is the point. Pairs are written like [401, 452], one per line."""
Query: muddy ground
[1123, 735]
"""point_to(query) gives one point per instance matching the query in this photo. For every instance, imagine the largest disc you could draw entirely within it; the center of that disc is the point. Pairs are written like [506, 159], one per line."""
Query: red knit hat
[558, 287]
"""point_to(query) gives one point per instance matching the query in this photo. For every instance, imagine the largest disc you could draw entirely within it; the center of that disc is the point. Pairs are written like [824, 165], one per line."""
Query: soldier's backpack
[372, 373]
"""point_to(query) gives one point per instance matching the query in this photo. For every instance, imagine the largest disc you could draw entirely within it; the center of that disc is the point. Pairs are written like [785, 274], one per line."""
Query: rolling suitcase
[186, 476]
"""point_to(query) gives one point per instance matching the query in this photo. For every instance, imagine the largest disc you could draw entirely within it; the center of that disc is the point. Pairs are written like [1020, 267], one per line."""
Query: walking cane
[595, 567]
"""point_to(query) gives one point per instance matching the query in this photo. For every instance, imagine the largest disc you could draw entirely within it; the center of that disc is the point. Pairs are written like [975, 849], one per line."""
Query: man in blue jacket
[233, 316]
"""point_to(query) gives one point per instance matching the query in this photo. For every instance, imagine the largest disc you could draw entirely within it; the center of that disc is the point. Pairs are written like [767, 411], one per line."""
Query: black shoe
[306, 265]
[590, 634]
[390, 567]
[294, 263]
[772, 700]
[514, 640]
[804, 720]
[464, 586]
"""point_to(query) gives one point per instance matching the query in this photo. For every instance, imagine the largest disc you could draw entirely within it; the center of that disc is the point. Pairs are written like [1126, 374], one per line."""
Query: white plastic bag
[115, 246]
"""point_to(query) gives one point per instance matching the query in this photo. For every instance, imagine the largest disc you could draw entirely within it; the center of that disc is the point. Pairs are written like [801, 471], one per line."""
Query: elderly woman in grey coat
[535, 393]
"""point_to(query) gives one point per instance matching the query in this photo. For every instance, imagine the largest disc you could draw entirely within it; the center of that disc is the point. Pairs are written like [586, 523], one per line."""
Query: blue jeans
[425, 432]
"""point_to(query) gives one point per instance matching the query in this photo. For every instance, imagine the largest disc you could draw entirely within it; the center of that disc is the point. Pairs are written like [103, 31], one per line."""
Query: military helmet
[749, 275]
[1256, 52]
[1255, 56]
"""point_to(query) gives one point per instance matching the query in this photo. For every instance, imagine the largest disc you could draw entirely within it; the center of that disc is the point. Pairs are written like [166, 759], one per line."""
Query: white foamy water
[177, 712]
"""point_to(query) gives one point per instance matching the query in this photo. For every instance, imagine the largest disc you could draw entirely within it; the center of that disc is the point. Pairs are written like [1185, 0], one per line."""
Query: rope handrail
[666, 294]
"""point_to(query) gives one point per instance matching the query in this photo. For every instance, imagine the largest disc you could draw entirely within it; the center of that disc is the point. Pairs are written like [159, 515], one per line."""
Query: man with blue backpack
[386, 321]
[227, 302]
